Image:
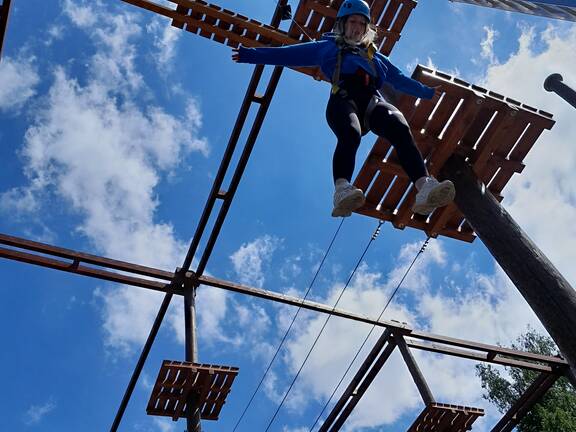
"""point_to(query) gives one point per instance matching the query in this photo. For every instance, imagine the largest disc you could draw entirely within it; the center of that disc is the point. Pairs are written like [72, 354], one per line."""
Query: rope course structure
[556, 9]
[4, 12]
[491, 132]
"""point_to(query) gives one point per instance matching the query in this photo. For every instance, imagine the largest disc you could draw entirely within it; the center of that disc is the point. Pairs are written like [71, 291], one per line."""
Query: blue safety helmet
[354, 7]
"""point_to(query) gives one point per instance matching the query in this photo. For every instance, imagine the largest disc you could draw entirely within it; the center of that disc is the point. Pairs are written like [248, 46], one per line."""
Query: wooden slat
[488, 128]
[207, 385]
[437, 417]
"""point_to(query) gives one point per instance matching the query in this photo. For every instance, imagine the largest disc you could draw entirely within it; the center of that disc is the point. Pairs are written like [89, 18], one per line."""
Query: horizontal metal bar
[295, 301]
[492, 354]
[483, 357]
[74, 267]
[488, 348]
[84, 257]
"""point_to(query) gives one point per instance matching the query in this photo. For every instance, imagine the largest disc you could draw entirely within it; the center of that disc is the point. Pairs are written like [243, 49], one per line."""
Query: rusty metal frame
[184, 282]
[396, 334]
[391, 339]
[168, 282]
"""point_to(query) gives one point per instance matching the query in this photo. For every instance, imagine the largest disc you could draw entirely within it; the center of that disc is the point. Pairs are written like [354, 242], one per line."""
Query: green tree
[556, 411]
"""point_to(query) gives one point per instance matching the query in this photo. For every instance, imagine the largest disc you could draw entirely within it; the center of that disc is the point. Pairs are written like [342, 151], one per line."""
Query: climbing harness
[344, 48]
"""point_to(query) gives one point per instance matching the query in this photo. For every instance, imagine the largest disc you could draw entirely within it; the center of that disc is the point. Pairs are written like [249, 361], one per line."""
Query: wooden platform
[177, 381]
[314, 17]
[494, 132]
[438, 417]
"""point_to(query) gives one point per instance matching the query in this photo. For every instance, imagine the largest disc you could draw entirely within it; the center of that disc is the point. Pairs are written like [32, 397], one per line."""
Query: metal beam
[488, 353]
[415, 371]
[491, 350]
[360, 383]
[85, 258]
[141, 362]
[524, 404]
[77, 268]
[481, 357]
[557, 9]
[4, 13]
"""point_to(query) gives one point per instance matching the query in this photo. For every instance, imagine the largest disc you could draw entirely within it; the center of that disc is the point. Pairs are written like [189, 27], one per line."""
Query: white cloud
[487, 45]
[165, 40]
[19, 78]
[93, 147]
[81, 14]
[543, 198]
[248, 261]
[36, 413]
[164, 425]
[55, 32]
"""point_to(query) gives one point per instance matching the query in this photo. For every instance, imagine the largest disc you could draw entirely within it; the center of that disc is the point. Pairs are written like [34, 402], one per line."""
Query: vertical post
[554, 84]
[193, 415]
[547, 292]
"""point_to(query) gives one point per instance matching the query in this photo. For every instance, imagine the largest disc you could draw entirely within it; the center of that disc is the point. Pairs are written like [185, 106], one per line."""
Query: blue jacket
[324, 53]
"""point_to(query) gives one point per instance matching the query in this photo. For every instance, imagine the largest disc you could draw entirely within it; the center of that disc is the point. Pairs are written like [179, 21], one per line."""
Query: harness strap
[367, 54]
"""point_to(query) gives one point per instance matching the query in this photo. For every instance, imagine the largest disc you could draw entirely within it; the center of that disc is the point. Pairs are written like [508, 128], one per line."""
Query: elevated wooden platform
[494, 132]
[177, 382]
[438, 417]
[314, 17]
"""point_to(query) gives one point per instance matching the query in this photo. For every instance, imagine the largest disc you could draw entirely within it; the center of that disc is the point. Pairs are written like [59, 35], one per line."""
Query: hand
[438, 91]
[235, 54]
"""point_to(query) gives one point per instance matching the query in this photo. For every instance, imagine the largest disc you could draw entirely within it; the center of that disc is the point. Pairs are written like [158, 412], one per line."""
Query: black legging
[345, 117]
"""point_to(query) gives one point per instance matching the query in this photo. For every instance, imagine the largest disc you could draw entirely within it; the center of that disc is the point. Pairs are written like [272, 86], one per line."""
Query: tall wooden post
[193, 416]
[544, 288]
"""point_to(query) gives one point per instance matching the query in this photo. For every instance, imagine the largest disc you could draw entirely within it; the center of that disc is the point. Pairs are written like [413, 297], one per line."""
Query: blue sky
[112, 126]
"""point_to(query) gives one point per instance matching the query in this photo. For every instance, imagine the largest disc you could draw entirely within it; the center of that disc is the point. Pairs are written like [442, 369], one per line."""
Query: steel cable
[422, 249]
[290, 326]
[372, 238]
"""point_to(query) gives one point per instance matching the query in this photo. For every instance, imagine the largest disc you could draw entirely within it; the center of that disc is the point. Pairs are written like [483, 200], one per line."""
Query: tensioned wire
[422, 249]
[291, 324]
[372, 238]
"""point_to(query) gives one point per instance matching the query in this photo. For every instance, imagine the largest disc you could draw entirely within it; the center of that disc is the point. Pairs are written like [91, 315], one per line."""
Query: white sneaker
[433, 195]
[347, 198]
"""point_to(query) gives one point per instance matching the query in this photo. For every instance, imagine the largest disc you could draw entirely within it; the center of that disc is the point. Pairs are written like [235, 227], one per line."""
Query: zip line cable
[422, 249]
[290, 326]
[372, 238]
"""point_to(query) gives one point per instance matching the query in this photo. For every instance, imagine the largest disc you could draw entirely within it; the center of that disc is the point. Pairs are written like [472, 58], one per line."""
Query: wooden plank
[389, 14]
[178, 383]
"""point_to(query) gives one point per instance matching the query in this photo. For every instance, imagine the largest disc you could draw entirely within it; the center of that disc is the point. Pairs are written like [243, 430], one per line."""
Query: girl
[349, 57]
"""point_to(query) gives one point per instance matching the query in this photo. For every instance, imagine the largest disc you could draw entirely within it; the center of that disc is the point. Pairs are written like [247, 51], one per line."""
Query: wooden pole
[554, 84]
[547, 292]
[193, 415]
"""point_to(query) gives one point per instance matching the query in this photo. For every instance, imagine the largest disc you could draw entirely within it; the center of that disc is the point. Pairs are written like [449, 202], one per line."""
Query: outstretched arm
[406, 84]
[304, 54]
